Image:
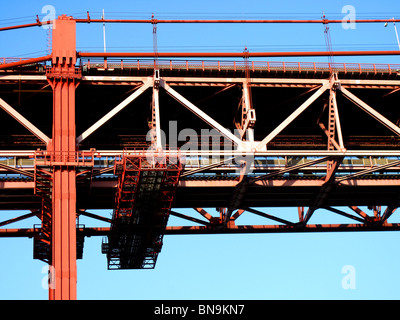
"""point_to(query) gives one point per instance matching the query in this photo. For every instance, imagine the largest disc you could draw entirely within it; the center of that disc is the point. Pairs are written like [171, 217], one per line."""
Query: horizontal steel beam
[245, 229]
[153, 21]
[235, 54]
[230, 21]
[375, 84]
[280, 182]
[235, 153]
[31, 232]
[235, 229]
[221, 81]
[21, 77]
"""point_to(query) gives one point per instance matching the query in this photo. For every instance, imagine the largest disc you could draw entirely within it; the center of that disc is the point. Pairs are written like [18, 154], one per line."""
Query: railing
[53, 72]
[74, 158]
[149, 159]
[273, 163]
[265, 66]
[12, 60]
[206, 65]
[12, 167]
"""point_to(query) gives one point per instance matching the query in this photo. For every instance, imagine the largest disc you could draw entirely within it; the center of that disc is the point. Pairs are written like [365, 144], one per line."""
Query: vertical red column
[63, 149]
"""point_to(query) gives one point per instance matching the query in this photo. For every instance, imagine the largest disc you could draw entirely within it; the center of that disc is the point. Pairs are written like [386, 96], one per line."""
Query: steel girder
[255, 172]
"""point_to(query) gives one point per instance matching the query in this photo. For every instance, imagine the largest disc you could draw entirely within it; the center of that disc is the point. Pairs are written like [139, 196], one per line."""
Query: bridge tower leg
[63, 78]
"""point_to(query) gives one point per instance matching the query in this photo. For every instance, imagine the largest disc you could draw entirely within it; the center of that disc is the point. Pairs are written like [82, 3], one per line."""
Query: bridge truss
[114, 131]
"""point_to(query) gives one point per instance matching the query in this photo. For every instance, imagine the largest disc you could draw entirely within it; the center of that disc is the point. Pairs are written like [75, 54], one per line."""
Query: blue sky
[265, 266]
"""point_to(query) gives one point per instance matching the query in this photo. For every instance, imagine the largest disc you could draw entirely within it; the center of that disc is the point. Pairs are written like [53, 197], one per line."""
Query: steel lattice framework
[146, 136]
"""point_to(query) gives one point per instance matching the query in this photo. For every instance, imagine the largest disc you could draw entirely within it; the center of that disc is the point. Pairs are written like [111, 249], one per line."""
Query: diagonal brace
[202, 115]
[16, 170]
[23, 217]
[268, 216]
[347, 215]
[184, 216]
[210, 166]
[114, 111]
[291, 168]
[293, 116]
[366, 171]
[376, 115]
[28, 125]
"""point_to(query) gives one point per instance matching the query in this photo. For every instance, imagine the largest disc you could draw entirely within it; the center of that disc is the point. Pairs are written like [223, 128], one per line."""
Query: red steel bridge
[145, 134]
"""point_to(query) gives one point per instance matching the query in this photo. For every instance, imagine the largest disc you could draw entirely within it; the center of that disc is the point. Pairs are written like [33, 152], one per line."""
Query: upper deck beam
[39, 23]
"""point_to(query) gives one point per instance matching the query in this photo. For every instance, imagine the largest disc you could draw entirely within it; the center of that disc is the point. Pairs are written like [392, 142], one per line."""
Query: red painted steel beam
[17, 233]
[36, 24]
[30, 232]
[243, 229]
[233, 229]
[218, 21]
[24, 62]
[282, 21]
[233, 54]
[23, 217]
[20, 26]
[63, 244]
